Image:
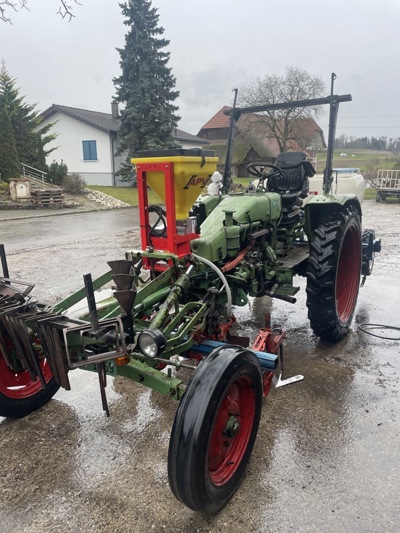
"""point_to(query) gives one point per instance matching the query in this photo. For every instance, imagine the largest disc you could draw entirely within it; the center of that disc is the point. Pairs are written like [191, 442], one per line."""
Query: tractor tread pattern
[321, 275]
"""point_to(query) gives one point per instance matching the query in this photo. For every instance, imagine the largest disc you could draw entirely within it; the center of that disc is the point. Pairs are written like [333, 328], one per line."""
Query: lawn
[362, 159]
[128, 195]
[370, 193]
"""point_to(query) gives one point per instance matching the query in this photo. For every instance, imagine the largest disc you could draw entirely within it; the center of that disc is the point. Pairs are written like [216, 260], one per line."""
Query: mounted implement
[173, 305]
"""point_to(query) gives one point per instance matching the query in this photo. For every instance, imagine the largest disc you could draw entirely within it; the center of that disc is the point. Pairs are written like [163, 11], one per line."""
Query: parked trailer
[387, 184]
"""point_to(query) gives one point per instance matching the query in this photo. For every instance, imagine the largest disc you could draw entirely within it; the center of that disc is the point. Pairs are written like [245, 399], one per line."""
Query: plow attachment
[34, 331]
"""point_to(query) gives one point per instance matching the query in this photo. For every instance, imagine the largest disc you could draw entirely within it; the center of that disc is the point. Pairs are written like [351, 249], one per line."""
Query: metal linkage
[115, 331]
[3, 260]
[9, 287]
[271, 341]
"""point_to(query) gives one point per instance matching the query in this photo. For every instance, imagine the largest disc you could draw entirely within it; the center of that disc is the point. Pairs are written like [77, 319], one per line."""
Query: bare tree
[65, 8]
[284, 125]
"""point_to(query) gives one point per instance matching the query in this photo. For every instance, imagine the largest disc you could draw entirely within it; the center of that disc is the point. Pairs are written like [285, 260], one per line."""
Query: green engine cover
[225, 229]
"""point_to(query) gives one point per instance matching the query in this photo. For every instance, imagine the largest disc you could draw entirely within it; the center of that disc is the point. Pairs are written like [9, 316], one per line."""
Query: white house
[87, 140]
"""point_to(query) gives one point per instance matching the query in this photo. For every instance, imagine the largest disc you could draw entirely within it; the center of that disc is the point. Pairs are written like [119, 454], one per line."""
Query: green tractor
[174, 299]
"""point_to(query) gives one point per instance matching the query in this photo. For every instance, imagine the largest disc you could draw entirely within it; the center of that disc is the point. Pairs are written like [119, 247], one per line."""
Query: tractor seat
[295, 171]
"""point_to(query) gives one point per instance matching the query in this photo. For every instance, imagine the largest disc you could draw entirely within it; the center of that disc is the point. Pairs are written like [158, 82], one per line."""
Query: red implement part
[268, 341]
[172, 242]
[223, 329]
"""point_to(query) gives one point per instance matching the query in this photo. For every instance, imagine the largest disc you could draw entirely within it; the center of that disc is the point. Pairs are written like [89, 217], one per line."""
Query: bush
[4, 190]
[57, 172]
[74, 184]
[371, 170]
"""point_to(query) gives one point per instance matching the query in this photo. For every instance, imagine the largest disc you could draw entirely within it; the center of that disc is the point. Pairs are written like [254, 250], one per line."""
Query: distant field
[362, 159]
[359, 159]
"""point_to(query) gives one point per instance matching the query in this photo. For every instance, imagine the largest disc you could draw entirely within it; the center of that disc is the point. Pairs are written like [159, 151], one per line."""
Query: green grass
[362, 159]
[244, 181]
[370, 193]
[128, 195]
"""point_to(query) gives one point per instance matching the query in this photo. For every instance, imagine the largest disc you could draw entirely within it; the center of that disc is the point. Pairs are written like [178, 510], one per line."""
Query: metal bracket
[279, 382]
[83, 329]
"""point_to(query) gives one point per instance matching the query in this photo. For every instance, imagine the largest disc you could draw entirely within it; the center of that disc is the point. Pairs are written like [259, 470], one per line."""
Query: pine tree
[9, 162]
[146, 85]
[30, 142]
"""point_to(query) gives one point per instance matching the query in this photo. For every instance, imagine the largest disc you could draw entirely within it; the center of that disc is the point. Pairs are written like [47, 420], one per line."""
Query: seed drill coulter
[174, 300]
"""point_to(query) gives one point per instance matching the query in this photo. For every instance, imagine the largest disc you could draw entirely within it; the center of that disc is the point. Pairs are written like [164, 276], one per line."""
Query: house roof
[309, 128]
[106, 122]
[219, 120]
[102, 121]
[183, 136]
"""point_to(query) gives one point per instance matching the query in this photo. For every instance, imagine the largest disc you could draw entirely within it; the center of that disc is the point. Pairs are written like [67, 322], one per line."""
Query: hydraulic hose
[222, 278]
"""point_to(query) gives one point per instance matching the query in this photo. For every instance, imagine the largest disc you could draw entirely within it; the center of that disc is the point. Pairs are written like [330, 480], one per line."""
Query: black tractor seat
[293, 178]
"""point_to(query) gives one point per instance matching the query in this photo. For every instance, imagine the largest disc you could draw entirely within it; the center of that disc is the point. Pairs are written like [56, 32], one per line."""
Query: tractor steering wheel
[257, 170]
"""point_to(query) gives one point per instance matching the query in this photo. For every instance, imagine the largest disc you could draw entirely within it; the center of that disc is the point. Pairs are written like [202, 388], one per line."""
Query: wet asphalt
[327, 454]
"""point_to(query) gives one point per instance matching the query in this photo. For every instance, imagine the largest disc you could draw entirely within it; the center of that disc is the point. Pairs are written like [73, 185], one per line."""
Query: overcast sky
[217, 45]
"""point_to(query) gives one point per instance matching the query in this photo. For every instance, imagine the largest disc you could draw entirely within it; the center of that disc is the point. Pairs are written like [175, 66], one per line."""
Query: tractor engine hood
[224, 231]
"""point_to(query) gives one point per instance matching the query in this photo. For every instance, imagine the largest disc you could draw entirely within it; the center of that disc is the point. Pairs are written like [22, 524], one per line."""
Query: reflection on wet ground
[326, 458]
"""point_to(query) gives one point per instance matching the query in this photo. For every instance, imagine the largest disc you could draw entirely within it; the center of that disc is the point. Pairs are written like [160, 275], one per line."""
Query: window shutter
[89, 150]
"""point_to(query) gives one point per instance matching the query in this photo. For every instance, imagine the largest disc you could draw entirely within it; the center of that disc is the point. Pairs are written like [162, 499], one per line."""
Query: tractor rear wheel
[19, 395]
[215, 429]
[333, 276]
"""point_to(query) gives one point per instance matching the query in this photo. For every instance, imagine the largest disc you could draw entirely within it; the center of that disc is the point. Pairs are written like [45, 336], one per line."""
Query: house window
[89, 150]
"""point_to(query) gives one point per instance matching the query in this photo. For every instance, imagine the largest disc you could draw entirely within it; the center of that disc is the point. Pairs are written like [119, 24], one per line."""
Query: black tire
[378, 196]
[19, 395]
[215, 429]
[333, 275]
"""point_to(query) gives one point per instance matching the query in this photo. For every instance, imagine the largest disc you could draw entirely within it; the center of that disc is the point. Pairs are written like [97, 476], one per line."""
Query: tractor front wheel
[333, 276]
[19, 394]
[215, 429]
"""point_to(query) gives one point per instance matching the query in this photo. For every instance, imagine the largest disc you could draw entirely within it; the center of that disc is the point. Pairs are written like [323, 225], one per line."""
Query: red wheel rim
[348, 274]
[231, 430]
[19, 385]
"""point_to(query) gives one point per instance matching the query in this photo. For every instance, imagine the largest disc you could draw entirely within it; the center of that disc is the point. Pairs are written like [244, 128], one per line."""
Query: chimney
[114, 109]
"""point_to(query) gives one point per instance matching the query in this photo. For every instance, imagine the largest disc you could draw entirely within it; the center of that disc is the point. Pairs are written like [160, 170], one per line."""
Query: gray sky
[217, 45]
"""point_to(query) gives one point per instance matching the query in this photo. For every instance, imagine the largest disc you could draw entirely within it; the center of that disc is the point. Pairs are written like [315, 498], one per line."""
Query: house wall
[214, 134]
[190, 145]
[68, 144]
[118, 160]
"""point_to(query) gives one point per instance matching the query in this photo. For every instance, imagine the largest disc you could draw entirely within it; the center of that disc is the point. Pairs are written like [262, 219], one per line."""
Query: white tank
[345, 181]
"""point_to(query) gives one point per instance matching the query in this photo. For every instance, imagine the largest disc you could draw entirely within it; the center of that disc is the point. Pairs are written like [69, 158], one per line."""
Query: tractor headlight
[151, 342]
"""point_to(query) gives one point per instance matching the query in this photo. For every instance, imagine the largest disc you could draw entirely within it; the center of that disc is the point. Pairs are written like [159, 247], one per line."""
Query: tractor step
[295, 255]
